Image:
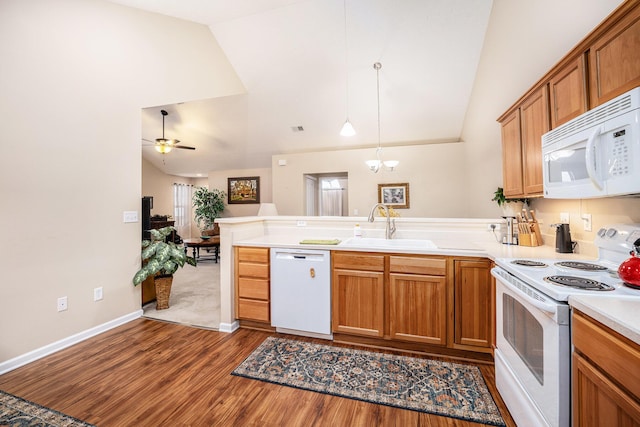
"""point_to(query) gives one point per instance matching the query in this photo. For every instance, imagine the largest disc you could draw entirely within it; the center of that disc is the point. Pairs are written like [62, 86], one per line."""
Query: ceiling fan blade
[184, 147]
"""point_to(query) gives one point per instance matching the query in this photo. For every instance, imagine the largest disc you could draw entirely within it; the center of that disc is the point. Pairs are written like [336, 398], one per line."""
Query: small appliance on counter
[510, 238]
[564, 245]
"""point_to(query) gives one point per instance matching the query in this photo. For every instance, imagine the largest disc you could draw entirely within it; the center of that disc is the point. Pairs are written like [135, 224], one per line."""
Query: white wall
[435, 174]
[74, 77]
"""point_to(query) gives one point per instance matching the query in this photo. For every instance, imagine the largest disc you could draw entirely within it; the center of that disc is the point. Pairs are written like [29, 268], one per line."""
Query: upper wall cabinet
[614, 59]
[522, 130]
[568, 92]
[603, 65]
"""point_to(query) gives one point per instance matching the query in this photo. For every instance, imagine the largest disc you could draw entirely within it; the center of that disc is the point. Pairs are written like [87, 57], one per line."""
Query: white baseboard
[228, 327]
[41, 352]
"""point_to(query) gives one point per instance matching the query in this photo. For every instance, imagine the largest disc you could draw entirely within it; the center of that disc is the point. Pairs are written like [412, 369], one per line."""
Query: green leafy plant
[208, 205]
[499, 197]
[163, 258]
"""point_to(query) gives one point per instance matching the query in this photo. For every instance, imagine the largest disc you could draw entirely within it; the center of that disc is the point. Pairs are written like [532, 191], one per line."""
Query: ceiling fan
[164, 145]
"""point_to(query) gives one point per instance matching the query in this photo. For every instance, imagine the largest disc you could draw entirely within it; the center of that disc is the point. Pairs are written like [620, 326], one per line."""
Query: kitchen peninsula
[455, 237]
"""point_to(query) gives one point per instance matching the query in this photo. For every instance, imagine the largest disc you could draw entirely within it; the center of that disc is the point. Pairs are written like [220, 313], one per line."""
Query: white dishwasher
[301, 291]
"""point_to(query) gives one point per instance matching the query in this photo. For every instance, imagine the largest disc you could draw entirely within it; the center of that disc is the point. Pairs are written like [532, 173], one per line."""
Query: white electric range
[533, 342]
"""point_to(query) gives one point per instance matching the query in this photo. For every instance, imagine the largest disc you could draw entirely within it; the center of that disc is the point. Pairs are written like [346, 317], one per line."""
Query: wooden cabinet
[474, 305]
[511, 154]
[614, 58]
[522, 130]
[418, 299]
[252, 284]
[414, 302]
[358, 294]
[568, 91]
[606, 375]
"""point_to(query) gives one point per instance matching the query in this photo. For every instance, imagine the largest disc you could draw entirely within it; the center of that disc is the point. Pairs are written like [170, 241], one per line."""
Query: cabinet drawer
[248, 269]
[613, 353]
[253, 288]
[253, 254]
[418, 265]
[358, 261]
[253, 310]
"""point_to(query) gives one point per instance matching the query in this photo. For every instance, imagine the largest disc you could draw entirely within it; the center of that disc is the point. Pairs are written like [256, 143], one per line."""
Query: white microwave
[597, 154]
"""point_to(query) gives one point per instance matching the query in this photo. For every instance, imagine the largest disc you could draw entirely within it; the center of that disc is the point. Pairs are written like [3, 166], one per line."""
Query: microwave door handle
[590, 158]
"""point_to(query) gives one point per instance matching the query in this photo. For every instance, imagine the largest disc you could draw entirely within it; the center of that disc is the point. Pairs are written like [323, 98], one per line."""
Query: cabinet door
[568, 92]
[474, 307]
[512, 155]
[597, 401]
[358, 302]
[534, 121]
[614, 60]
[418, 308]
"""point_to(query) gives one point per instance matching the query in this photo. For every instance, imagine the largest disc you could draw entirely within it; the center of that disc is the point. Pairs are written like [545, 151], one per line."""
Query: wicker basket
[163, 291]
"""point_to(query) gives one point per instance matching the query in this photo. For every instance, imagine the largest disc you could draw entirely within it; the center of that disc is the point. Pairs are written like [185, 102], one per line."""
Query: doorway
[326, 194]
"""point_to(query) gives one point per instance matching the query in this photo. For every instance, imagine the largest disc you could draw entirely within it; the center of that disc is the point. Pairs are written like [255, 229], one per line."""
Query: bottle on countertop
[357, 231]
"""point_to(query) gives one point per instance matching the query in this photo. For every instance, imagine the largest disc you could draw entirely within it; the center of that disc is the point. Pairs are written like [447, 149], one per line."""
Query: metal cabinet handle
[312, 272]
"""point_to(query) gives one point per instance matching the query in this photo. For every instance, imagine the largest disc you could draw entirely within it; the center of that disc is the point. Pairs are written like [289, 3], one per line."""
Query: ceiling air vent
[297, 128]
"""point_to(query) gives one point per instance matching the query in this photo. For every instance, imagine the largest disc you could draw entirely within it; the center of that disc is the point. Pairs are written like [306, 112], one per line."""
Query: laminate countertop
[620, 313]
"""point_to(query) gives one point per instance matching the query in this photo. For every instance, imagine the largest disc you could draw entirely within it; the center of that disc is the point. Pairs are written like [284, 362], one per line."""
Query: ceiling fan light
[347, 129]
[163, 148]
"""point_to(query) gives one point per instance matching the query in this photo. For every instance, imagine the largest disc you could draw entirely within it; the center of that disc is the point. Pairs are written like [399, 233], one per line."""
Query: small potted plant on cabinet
[208, 205]
[161, 259]
[510, 207]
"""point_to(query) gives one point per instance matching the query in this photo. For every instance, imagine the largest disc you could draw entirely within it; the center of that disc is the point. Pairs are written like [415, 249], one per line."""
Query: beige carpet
[195, 297]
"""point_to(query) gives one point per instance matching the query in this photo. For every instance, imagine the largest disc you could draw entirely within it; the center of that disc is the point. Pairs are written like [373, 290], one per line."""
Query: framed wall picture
[244, 190]
[394, 195]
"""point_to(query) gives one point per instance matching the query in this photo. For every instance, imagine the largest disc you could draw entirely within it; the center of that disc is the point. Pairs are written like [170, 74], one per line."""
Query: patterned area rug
[17, 412]
[441, 388]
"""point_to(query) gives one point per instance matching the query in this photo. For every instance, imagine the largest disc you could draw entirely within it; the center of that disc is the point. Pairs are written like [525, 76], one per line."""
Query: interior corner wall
[75, 75]
[524, 40]
[434, 173]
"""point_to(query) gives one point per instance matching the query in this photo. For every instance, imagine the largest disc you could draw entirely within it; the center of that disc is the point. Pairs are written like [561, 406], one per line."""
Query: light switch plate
[130, 216]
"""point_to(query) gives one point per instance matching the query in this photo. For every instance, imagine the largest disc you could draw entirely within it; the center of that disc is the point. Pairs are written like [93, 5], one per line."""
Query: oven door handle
[549, 308]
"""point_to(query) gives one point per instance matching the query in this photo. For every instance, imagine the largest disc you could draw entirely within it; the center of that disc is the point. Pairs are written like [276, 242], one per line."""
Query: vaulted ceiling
[301, 69]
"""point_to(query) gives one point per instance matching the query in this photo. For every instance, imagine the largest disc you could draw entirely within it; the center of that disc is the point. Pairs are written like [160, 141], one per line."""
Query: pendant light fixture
[347, 128]
[375, 165]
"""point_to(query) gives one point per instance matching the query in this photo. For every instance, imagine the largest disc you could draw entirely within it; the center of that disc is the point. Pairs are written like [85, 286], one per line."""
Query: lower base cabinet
[438, 302]
[606, 376]
[474, 304]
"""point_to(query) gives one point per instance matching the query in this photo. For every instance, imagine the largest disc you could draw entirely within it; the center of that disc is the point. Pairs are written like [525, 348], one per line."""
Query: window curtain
[182, 209]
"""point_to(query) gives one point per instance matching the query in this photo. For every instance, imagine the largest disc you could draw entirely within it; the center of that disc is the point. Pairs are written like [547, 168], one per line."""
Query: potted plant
[208, 205]
[161, 258]
[510, 207]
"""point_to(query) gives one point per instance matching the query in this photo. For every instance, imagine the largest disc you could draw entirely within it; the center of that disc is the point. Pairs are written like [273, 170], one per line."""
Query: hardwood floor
[152, 373]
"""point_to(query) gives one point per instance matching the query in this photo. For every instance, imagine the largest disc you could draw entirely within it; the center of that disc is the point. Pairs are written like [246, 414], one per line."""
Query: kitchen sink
[379, 243]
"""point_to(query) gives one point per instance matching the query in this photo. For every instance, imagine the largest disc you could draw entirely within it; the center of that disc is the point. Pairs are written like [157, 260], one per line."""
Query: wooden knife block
[533, 238]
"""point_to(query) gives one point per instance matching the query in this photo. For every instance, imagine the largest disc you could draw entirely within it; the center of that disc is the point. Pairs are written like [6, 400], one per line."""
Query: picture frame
[243, 190]
[394, 195]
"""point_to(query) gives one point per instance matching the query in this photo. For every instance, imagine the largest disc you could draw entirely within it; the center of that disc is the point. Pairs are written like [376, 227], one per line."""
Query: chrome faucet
[390, 228]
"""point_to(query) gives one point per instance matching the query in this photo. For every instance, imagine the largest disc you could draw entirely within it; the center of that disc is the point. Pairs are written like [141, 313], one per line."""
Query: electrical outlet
[586, 219]
[62, 303]
[97, 294]
[356, 212]
[301, 223]
[564, 217]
